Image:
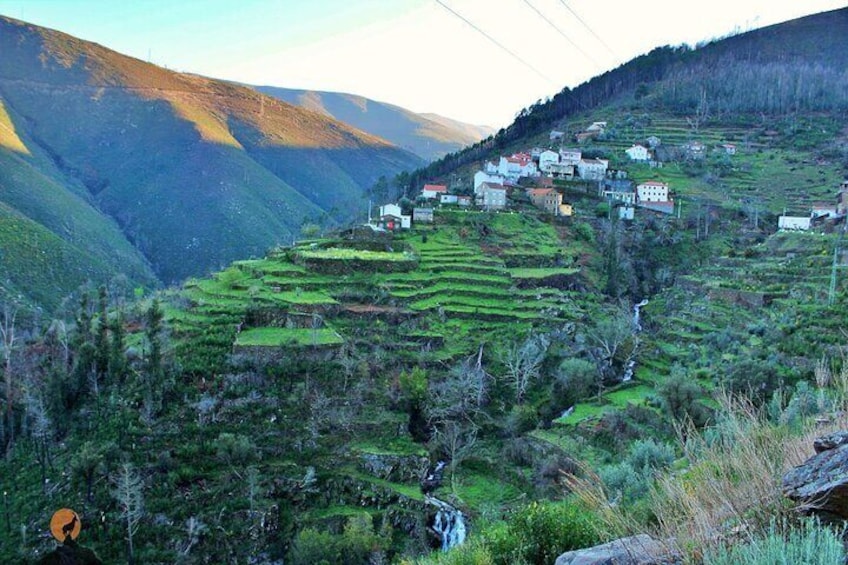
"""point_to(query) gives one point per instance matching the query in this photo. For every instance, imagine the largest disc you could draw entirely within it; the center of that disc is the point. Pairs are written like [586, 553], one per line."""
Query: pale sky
[413, 53]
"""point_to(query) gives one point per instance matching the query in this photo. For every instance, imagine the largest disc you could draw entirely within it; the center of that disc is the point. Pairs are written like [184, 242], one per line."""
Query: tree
[117, 353]
[613, 339]
[153, 333]
[462, 394]
[523, 360]
[101, 337]
[456, 440]
[128, 493]
[8, 343]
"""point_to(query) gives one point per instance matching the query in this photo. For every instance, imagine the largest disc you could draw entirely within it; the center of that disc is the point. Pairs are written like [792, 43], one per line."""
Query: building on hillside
[592, 169]
[557, 135]
[432, 191]
[547, 199]
[729, 148]
[516, 166]
[448, 199]
[392, 219]
[463, 200]
[491, 196]
[793, 223]
[597, 126]
[626, 212]
[625, 197]
[546, 159]
[584, 136]
[490, 167]
[652, 191]
[570, 156]
[842, 199]
[422, 215]
[638, 153]
[482, 176]
[694, 150]
[823, 210]
[653, 141]
[535, 152]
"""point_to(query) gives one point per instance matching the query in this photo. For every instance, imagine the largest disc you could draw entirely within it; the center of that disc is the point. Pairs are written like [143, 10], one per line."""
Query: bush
[234, 449]
[311, 547]
[647, 456]
[540, 532]
[810, 544]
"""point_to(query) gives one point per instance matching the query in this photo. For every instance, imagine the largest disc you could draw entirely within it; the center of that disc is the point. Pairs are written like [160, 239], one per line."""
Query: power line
[496, 42]
[598, 37]
[562, 33]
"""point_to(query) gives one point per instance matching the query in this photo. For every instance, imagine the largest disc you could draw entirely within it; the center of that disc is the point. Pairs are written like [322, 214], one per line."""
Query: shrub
[234, 449]
[647, 456]
[540, 532]
[311, 547]
[810, 544]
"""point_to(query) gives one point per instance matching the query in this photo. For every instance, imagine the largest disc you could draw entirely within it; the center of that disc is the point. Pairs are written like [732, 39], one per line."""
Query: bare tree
[523, 360]
[127, 491]
[8, 340]
[194, 529]
[609, 336]
[462, 394]
[457, 441]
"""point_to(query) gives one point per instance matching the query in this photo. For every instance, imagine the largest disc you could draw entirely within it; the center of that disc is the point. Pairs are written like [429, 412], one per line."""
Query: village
[537, 175]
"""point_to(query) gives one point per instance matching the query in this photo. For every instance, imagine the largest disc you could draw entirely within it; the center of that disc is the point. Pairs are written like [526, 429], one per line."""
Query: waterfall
[636, 313]
[449, 523]
[637, 327]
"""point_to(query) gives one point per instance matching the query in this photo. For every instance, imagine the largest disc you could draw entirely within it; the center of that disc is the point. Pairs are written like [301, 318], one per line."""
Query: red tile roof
[435, 188]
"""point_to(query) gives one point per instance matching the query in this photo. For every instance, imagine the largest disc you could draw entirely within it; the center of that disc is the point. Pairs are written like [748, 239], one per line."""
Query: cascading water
[636, 313]
[637, 327]
[449, 524]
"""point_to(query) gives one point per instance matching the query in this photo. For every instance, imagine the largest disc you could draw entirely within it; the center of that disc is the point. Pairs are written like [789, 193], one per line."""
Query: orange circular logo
[65, 522]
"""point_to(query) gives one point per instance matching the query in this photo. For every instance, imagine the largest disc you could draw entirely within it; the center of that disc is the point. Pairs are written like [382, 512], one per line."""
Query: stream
[449, 523]
[637, 327]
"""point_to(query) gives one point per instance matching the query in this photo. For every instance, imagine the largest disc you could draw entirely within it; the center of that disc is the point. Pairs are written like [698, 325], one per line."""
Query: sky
[477, 61]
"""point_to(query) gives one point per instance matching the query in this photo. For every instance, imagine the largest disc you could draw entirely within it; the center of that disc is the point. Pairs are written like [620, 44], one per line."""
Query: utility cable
[598, 37]
[496, 42]
[562, 33]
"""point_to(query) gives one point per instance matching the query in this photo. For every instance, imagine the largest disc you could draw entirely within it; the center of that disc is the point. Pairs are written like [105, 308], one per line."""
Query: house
[535, 152]
[729, 148]
[638, 153]
[626, 212]
[694, 149]
[392, 219]
[652, 191]
[566, 210]
[626, 197]
[492, 196]
[422, 215]
[546, 159]
[653, 142]
[797, 223]
[592, 169]
[482, 176]
[448, 199]
[490, 167]
[463, 200]
[516, 166]
[547, 199]
[557, 135]
[431, 191]
[823, 210]
[570, 156]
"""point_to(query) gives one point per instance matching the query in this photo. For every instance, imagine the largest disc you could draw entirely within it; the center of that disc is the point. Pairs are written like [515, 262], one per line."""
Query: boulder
[635, 550]
[820, 484]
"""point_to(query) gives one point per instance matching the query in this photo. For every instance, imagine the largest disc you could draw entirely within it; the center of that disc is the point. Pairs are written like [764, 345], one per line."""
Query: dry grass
[731, 489]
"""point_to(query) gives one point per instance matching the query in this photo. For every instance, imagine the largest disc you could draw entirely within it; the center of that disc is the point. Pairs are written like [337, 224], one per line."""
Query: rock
[635, 550]
[821, 483]
[828, 442]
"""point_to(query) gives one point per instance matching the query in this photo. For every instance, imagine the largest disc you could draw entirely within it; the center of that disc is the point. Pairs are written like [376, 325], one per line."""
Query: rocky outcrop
[635, 550]
[820, 484]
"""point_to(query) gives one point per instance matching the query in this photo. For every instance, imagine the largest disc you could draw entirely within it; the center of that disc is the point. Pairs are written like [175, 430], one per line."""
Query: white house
[561, 171]
[798, 223]
[546, 158]
[431, 191]
[652, 191]
[391, 218]
[638, 153]
[626, 197]
[570, 156]
[823, 210]
[492, 196]
[490, 167]
[517, 166]
[729, 148]
[482, 176]
[592, 169]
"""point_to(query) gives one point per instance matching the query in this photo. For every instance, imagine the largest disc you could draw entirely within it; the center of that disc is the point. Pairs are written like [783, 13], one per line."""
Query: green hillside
[195, 172]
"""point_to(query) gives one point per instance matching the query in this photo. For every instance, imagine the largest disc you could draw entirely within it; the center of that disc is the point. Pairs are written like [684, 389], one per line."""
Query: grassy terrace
[341, 253]
[277, 337]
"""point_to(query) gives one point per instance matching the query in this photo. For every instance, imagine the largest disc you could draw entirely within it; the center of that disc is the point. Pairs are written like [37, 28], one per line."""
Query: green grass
[540, 273]
[343, 253]
[278, 337]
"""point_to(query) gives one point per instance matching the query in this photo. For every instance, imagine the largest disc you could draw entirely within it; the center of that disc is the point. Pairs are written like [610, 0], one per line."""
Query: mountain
[429, 136]
[163, 175]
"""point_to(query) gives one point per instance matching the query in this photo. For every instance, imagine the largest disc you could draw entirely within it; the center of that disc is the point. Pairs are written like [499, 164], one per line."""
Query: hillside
[148, 149]
[429, 136]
